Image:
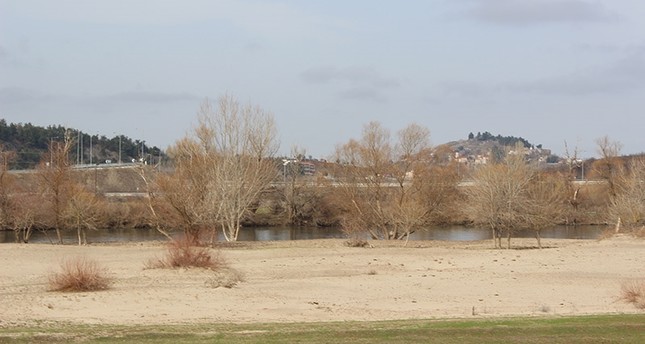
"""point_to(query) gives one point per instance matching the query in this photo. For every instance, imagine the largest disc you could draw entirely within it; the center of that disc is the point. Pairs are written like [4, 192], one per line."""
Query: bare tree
[512, 195]
[301, 193]
[152, 202]
[574, 199]
[361, 177]
[23, 217]
[383, 184]
[609, 167]
[15, 207]
[187, 189]
[498, 198]
[55, 180]
[222, 167]
[6, 188]
[242, 141]
[547, 197]
[438, 192]
[409, 211]
[628, 205]
[81, 212]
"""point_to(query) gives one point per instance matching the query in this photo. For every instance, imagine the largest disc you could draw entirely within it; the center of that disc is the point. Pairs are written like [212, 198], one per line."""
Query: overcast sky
[546, 70]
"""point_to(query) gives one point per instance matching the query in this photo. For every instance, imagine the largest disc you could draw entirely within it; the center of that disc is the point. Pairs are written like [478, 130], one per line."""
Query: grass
[79, 274]
[583, 329]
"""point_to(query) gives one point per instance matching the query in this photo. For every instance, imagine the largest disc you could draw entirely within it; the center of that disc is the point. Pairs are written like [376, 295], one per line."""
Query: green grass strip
[582, 329]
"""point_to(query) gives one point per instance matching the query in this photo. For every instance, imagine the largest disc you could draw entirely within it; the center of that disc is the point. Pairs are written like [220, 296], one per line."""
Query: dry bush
[183, 253]
[634, 292]
[79, 274]
[356, 242]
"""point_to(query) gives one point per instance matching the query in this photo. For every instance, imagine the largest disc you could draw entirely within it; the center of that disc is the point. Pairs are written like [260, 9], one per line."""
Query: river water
[451, 233]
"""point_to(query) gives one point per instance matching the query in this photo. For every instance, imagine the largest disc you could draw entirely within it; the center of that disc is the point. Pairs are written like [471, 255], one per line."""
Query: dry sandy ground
[322, 280]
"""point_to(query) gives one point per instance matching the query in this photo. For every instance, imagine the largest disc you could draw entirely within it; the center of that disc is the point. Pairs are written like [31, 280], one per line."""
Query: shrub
[634, 292]
[183, 253]
[79, 274]
[355, 242]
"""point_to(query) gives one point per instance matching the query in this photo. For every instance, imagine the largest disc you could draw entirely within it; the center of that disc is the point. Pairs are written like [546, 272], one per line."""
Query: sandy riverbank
[322, 280]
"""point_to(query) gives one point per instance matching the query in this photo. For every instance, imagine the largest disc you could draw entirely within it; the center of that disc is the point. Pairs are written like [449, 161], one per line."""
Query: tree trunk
[537, 236]
[78, 232]
[58, 236]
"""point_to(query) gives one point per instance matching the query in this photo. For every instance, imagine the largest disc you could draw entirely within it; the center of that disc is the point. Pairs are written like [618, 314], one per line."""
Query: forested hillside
[31, 142]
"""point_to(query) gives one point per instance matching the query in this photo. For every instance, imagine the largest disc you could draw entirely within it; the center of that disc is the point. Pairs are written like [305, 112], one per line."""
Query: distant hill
[494, 147]
[31, 142]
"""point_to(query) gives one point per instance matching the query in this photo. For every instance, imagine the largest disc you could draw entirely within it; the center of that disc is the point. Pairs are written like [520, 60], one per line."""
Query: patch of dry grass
[355, 242]
[634, 292]
[226, 278]
[79, 274]
[639, 233]
[636, 232]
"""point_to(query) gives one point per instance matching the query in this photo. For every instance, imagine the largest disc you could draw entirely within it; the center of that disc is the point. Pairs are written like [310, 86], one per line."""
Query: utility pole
[82, 149]
[51, 152]
[78, 147]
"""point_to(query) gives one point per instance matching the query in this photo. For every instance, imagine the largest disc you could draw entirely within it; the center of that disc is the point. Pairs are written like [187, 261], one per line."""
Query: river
[451, 233]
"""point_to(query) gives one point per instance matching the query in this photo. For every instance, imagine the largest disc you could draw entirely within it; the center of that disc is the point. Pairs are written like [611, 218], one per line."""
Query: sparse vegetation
[225, 278]
[633, 292]
[79, 274]
[356, 242]
[183, 253]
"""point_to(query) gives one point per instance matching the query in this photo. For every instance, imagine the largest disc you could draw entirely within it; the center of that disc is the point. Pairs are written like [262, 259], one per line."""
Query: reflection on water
[453, 233]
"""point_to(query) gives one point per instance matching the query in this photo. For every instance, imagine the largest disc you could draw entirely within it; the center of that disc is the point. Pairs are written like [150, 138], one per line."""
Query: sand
[323, 280]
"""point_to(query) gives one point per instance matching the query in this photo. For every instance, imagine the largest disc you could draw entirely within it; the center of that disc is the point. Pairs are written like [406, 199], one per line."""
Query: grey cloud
[360, 83]
[522, 12]
[465, 88]
[353, 75]
[625, 75]
[150, 97]
[574, 84]
[359, 93]
[14, 95]
[21, 98]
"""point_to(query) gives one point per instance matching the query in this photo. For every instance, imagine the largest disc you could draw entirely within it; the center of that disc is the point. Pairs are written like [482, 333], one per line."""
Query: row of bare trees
[58, 200]
[391, 189]
[382, 186]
